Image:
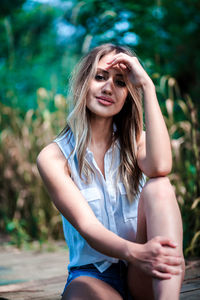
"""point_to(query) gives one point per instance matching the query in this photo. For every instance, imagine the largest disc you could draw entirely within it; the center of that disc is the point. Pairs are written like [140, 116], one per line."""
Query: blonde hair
[129, 121]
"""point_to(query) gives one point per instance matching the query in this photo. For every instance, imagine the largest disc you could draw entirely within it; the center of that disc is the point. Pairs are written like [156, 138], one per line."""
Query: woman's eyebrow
[107, 73]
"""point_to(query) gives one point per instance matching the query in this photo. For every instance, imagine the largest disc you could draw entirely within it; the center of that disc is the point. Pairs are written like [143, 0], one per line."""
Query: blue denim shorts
[115, 275]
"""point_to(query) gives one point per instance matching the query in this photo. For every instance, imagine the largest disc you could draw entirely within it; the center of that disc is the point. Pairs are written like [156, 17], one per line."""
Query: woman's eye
[99, 77]
[121, 83]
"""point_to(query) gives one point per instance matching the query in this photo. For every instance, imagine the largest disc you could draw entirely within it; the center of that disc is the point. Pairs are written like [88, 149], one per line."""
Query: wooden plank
[190, 295]
[31, 265]
[37, 275]
[32, 274]
[190, 286]
[37, 289]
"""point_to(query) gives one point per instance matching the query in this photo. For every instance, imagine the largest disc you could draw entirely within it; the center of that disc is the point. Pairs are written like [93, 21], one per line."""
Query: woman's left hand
[131, 68]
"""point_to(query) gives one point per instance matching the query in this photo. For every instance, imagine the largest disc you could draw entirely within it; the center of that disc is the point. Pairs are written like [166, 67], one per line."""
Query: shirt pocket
[129, 210]
[93, 197]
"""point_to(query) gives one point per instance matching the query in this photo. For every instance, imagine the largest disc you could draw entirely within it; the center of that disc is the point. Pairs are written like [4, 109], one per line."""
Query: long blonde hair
[129, 121]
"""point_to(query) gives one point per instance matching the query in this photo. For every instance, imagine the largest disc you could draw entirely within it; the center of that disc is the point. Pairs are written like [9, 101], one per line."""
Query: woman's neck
[101, 132]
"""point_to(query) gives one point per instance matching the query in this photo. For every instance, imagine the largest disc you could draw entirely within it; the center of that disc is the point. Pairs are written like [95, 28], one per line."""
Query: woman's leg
[86, 288]
[158, 215]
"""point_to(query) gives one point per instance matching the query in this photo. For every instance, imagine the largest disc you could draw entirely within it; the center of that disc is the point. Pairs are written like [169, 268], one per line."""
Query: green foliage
[163, 34]
[32, 55]
[182, 122]
[17, 229]
[8, 6]
[26, 211]
[40, 42]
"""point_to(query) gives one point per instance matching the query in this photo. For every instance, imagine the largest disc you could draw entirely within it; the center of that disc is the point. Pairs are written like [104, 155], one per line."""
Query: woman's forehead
[102, 64]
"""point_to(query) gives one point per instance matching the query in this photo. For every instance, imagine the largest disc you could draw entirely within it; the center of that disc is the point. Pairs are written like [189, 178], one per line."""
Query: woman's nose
[108, 87]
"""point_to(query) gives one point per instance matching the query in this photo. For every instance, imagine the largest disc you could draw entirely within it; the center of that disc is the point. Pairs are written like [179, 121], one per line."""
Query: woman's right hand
[158, 258]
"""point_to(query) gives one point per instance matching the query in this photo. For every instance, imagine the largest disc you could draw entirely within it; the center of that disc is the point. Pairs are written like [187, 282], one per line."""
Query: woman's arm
[154, 149]
[68, 199]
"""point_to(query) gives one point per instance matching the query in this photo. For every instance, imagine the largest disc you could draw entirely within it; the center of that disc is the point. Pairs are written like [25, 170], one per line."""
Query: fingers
[130, 68]
[168, 269]
[161, 258]
[161, 275]
[164, 241]
[164, 271]
[173, 261]
[167, 259]
[168, 249]
[121, 60]
[122, 66]
[171, 252]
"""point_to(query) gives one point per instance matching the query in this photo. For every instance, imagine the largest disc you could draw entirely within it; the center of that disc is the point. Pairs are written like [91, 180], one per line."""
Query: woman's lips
[105, 101]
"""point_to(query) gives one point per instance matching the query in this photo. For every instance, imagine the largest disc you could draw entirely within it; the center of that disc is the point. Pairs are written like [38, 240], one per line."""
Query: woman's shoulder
[51, 162]
[50, 158]
[66, 143]
[59, 149]
[65, 139]
[49, 153]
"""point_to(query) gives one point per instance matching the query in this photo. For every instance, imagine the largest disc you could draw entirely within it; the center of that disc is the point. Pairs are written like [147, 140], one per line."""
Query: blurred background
[40, 43]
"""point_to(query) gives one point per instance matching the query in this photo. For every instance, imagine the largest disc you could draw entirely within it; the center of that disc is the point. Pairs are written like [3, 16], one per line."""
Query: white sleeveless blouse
[108, 200]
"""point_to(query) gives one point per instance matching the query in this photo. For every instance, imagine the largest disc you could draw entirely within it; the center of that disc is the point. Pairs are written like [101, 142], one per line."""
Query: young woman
[124, 235]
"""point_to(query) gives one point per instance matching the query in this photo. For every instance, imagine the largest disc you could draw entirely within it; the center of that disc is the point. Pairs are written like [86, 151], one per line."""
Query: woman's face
[108, 91]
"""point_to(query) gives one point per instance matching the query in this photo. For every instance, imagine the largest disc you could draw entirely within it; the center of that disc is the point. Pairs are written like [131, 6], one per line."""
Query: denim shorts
[115, 275]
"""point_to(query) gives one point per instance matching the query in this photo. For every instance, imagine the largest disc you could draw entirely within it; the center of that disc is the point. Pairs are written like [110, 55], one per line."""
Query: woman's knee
[158, 197]
[153, 198]
[158, 188]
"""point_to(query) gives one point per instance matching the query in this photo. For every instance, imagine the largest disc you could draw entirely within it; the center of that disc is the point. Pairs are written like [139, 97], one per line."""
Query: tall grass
[27, 213]
[181, 118]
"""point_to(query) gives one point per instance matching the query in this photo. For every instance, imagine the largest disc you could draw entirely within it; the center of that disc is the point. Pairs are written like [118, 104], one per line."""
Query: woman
[94, 172]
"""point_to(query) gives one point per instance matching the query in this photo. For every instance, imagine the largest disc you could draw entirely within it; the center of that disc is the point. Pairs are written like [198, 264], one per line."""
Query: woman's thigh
[85, 287]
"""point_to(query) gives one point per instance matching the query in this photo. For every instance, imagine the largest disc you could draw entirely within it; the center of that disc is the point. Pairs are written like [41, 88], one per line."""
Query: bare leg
[158, 215]
[89, 288]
